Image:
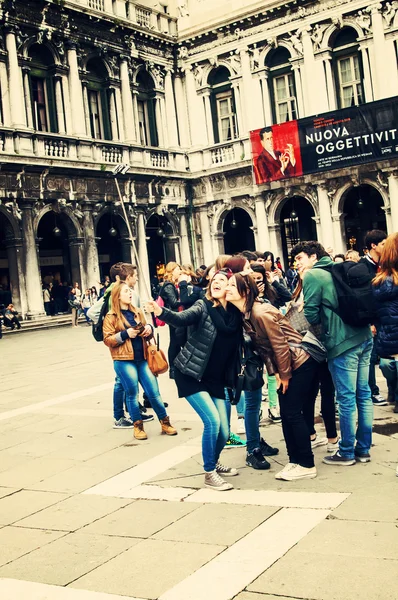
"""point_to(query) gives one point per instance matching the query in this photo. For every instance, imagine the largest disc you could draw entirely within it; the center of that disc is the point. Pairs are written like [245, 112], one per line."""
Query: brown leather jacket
[271, 333]
[121, 350]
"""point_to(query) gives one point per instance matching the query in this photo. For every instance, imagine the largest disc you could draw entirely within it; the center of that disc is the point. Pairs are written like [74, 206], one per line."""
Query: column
[367, 78]
[185, 249]
[247, 90]
[393, 193]
[209, 119]
[5, 94]
[15, 83]
[159, 122]
[17, 279]
[240, 116]
[67, 107]
[76, 94]
[384, 75]
[182, 114]
[263, 237]
[170, 110]
[197, 122]
[119, 113]
[108, 6]
[299, 91]
[113, 115]
[76, 262]
[340, 246]
[266, 99]
[28, 102]
[165, 123]
[91, 263]
[326, 238]
[59, 105]
[275, 239]
[127, 103]
[86, 109]
[143, 265]
[330, 83]
[136, 120]
[319, 230]
[258, 118]
[206, 237]
[31, 263]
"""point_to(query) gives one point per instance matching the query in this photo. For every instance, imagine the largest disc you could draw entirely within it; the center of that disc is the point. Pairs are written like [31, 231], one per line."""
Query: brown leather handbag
[156, 358]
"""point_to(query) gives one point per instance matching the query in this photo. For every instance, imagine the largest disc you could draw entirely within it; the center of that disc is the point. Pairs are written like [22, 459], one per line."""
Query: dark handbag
[298, 321]
[156, 358]
[250, 377]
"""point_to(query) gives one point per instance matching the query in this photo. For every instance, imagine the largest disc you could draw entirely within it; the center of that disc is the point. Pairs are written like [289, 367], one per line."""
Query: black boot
[266, 449]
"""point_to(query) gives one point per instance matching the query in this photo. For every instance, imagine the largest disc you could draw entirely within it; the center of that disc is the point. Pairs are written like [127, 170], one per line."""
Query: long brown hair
[121, 322]
[247, 289]
[388, 264]
[221, 260]
[168, 272]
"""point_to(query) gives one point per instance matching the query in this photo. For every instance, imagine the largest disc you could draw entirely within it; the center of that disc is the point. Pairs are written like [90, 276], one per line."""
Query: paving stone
[373, 503]
[73, 513]
[217, 524]
[17, 541]
[141, 519]
[331, 578]
[7, 491]
[66, 559]
[174, 561]
[31, 472]
[28, 590]
[251, 596]
[24, 503]
[352, 538]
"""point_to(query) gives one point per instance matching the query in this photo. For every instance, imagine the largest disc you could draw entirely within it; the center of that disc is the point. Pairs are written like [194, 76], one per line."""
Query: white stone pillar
[299, 92]
[59, 105]
[170, 110]
[143, 258]
[330, 83]
[127, 103]
[86, 109]
[108, 6]
[15, 83]
[184, 240]
[119, 113]
[340, 246]
[266, 100]
[28, 102]
[393, 193]
[209, 119]
[136, 119]
[182, 114]
[67, 107]
[31, 263]
[263, 237]
[76, 95]
[367, 79]
[207, 247]
[326, 238]
[91, 263]
[5, 94]
[241, 126]
[17, 279]
[164, 119]
[383, 71]
[159, 121]
[247, 95]
[113, 115]
[196, 112]
[275, 239]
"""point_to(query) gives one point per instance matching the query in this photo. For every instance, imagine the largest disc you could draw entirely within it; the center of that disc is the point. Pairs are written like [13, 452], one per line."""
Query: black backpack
[97, 327]
[353, 283]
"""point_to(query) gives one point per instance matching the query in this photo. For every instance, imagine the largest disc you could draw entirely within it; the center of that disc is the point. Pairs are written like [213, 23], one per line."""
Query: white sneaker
[333, 446]
[318, 442]
[241, 429]
[215, 482]
[299, 472]
[226, 471]
[284, 470]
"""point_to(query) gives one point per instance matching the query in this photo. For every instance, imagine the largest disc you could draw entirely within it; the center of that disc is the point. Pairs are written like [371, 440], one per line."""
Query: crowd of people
[243, 320]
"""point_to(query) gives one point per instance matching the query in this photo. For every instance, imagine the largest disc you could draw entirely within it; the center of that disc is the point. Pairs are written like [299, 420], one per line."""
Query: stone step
[43, 323]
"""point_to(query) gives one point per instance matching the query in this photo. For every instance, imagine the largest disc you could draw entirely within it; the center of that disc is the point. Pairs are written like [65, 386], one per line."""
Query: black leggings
[324, 381]
[174, 348]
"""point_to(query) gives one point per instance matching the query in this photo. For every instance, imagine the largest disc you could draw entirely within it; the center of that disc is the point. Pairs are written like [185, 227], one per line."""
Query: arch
[237, 229]
[280, 55]
[72, 224]
[116, 215]
[297, 222]
[339, 199]
[142, 71]
[363, 207]
[171, 219]
[219, 74]
[12, 223]
[278, 203]
[270, 49]
[223, 210]
[208, 68]
[333, 31]
[99, 67]
[28, 43]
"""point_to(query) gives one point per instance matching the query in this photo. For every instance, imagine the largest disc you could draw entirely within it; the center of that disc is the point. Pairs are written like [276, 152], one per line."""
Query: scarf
[225, 321]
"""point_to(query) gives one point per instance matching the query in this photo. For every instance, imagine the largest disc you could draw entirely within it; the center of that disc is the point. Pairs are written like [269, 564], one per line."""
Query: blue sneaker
[234, 441]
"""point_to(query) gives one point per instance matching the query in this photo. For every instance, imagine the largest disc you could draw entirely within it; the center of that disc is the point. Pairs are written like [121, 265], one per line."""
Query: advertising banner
[333, 140]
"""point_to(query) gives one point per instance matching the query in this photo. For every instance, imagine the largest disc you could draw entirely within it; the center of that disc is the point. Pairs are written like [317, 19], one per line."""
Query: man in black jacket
[374, 242]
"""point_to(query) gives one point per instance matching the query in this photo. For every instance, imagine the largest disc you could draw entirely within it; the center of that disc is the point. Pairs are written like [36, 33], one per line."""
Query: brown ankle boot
[139, 432]
[166, 427]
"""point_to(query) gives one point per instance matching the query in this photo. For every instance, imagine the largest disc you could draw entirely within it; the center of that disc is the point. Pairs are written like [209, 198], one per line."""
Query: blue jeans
[118, 399]
[374, 388]
[350, 374]
[389, 368]
[252, 419]
[215, 414]
[130, 372]
[241, 406]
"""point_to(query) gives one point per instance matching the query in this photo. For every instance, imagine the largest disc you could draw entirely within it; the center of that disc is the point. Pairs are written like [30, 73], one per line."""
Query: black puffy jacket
[194, 356]
[169, 294]
[386, 301]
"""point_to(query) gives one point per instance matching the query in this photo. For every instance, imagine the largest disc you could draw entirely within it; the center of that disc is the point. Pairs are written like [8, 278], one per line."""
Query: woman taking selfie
[125, 331]
[205, 366]
[272, 336]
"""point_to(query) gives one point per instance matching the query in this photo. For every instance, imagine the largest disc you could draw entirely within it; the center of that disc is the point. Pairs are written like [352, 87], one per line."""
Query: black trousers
[174, 348]
[323, 381]
[292, 405]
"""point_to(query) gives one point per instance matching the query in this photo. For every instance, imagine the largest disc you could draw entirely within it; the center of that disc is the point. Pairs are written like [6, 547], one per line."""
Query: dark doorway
[363, 212]
[238, 232]
[54, 254]
[297, 224]
[5, 235]
[157, 228]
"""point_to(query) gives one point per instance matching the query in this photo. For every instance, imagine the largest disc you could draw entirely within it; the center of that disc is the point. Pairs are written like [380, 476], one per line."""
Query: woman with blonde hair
[170, 296]
[125, 333]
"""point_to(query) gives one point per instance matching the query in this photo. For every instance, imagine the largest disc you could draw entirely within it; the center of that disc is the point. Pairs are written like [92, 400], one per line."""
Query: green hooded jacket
[321, 306]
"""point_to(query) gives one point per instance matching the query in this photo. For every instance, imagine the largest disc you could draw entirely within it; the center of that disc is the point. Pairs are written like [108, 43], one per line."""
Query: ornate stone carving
[364, 21]
[250, 202]
[269, 197]
[234, 61]
[254, 58]
[182, 52]
[382, 179]
[317, 36]
[13, 209]
[182, 6]
[296, 42]
[211, 210]
[198, 74]
[389, 11]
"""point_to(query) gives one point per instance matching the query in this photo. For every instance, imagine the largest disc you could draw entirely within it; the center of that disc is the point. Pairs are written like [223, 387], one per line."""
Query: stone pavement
[89, 513]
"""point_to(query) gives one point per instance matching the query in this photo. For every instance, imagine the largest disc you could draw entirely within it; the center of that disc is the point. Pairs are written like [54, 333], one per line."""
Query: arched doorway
[113, 242]
[55, 232]
[297, 224]
[238, 232]
[363, 209]
[5, 275]
[160, 251]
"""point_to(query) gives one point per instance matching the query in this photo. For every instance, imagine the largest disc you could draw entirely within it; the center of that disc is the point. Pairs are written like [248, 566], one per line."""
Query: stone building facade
[172, 90]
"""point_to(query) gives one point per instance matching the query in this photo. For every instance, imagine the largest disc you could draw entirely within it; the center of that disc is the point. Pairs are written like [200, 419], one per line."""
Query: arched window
[222, 106]
[146, 103]
[281, 86]
[98, 96]
[348, 70]
[42, 89]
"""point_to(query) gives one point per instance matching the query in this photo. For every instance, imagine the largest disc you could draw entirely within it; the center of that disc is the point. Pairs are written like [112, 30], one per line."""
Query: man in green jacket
[349, 349]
